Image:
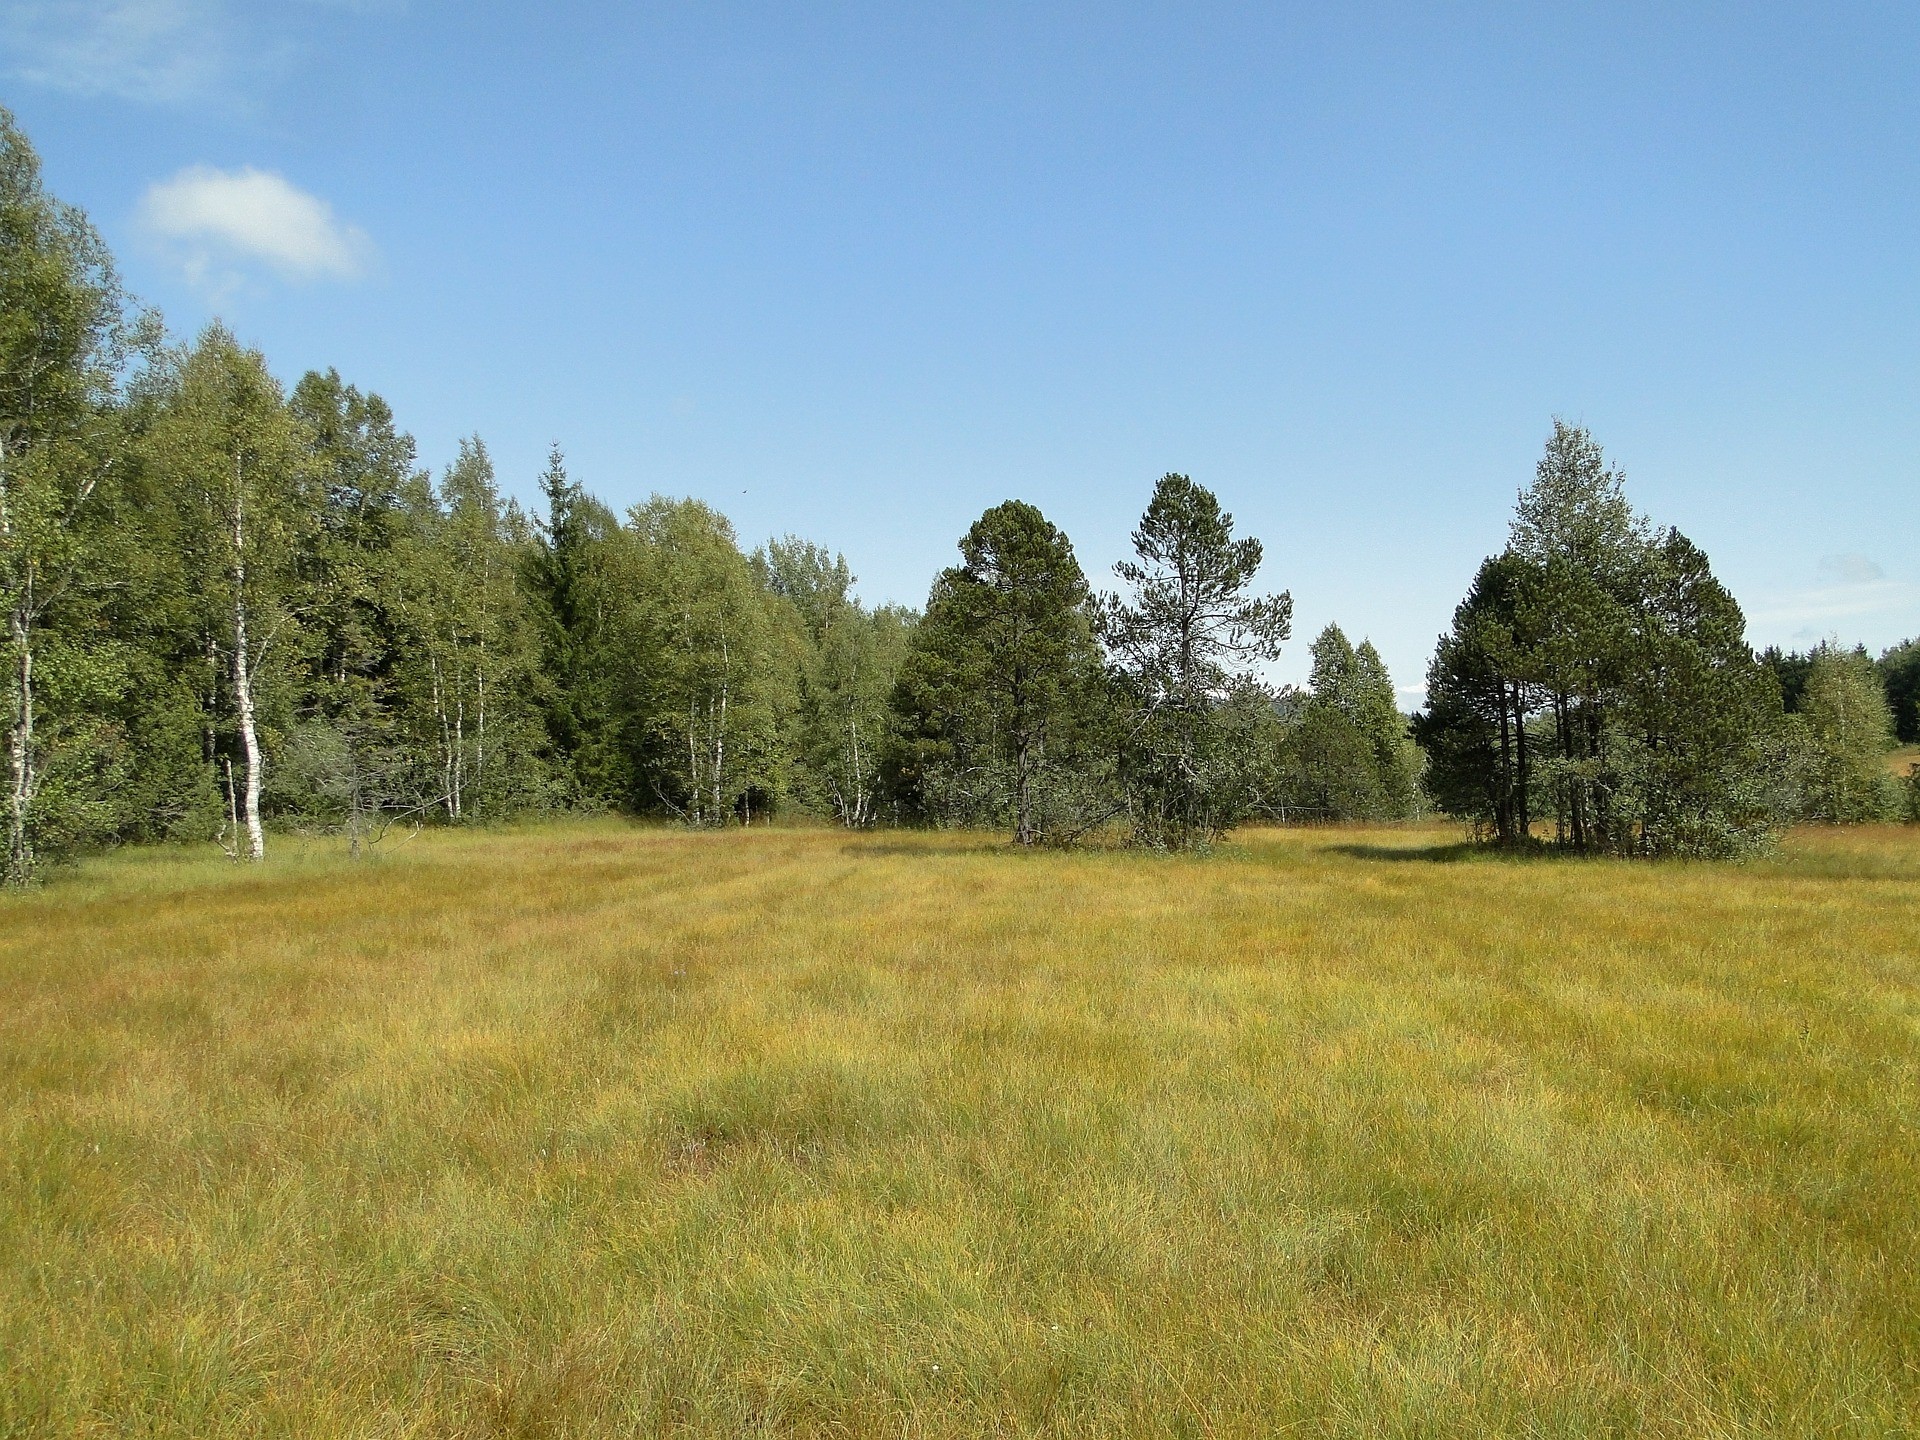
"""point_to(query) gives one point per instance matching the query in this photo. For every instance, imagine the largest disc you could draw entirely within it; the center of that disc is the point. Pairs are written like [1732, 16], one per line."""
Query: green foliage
[241, 484]
[1001, 695]
[1598, 671]
[1900, 674]
[847, 660]
[1348, 755]
[1850, 730]
[568, 587]
[1474, 727]
[1183, 643]
[66, 341]
[1790, 670]
[699, 697]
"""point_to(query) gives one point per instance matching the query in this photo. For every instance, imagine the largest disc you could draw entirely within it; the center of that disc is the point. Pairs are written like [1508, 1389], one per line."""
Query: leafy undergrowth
[602, 1129]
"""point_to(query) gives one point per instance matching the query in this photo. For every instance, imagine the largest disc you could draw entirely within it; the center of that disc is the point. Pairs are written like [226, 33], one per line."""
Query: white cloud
[216, 217]
[145, 50]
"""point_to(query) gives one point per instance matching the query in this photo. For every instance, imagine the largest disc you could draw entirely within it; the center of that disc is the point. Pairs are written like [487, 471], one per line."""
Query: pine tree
[1001, 692]
[1900, 675]
[1474, 729]
[1185, 642]
[1348, 754]
[1658, 731]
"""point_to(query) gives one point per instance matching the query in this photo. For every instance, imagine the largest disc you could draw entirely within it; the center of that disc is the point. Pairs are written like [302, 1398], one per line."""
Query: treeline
[231, 606]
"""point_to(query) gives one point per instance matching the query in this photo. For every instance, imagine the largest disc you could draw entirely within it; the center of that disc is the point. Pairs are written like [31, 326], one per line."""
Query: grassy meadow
[602, 1129]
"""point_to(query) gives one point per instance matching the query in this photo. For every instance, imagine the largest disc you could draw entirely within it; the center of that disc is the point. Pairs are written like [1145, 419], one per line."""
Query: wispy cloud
[1847, 587]
[1849, 570]
[145, 50]
[220, 220]
[166, 52]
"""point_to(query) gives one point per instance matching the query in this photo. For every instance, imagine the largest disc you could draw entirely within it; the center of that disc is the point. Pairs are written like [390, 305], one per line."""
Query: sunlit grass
[601, 1129]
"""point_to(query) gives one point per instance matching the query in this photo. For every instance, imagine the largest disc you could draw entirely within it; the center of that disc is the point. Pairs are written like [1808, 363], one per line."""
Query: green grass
[602, 1129]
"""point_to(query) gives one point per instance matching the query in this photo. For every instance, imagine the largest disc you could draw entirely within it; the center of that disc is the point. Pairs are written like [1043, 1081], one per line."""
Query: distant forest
[232, 608]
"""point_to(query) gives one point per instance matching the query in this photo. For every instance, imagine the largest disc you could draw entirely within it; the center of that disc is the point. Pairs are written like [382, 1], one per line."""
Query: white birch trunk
[20, 750]
[480, 730]
[720, 758]
[20, 775]
[249, 736]
[243, 674]
[459, 751]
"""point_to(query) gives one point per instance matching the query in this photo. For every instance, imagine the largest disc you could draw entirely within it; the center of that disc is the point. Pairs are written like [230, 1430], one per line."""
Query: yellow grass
[600, 1129]
[1904, 761]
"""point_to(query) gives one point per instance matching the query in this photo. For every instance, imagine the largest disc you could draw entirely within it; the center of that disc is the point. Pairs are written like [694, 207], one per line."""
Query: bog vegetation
[230, 607]
[595, 1128]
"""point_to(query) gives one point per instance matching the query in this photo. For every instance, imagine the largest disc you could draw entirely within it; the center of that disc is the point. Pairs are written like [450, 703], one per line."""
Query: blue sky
[858, 272]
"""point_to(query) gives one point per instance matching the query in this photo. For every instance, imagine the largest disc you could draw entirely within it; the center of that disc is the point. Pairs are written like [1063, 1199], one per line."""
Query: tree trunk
[1023, 796]
[446, 735]
[1524, 781]
[720, 755]
[695, 785]
[1503, 803]
[249, 737]
[459, 751]
[480, 733]
[20, 752]
[243, 679]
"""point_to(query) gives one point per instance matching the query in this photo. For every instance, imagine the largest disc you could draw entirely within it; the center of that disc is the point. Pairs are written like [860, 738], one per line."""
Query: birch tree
[847, 661]
[65, 340]
[1850, 725]
[239, 470]
[703, 694]
[477, 645]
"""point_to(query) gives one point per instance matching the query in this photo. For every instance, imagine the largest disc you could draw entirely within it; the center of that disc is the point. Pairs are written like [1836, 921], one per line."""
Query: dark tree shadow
[1456, 853]
[1452, 854]
[960, 847]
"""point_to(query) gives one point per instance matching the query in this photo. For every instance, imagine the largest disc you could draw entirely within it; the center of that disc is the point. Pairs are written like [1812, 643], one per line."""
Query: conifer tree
[1001, 691]
[1185, 641]
[566, 582]
[1658, 732]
